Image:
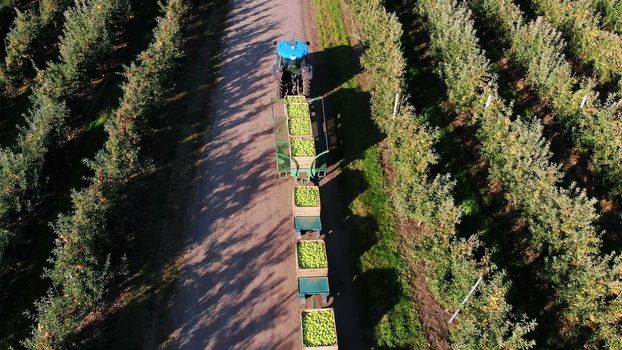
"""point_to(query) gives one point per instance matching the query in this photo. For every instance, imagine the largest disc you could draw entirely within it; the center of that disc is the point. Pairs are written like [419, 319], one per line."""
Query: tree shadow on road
[139, 314]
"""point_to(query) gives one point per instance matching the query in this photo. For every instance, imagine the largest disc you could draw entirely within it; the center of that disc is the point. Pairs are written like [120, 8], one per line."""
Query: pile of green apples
[300, 126]
[307, 196]
[318, 328]
[303, 147]
[311, 255]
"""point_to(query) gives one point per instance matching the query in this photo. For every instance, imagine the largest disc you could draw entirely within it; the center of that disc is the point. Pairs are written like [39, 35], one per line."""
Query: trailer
[302, 167]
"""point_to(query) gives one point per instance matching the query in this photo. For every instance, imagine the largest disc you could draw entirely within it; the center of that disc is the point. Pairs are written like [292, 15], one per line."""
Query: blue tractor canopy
[292, 69]
[292, 49]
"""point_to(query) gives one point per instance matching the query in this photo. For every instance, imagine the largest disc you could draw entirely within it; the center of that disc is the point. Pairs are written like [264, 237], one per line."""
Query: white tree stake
[583, 102]
[488, 101]
[397, 97]
[453, 317]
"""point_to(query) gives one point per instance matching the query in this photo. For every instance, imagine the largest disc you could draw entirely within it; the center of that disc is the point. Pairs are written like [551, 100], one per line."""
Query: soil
[432, 315]
[237, 281]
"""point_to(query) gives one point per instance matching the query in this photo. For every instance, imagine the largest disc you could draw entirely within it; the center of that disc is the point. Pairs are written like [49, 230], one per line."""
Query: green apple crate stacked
[300, 138]
[319, 330]
[307, 201]
[311, 258]
[302, 143]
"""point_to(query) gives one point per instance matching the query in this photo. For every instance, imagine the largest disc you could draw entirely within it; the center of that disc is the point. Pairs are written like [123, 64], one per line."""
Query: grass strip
[382, 281]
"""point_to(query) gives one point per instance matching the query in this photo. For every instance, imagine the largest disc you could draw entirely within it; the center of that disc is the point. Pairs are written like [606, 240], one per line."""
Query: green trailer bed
[313, 286]
[303, 169]
[307, 223]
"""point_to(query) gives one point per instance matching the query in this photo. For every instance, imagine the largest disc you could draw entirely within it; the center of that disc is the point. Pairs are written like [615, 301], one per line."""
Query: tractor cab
[292, 55]
[291, 68]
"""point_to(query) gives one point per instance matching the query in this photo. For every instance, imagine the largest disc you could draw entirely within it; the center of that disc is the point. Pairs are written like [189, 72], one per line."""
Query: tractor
[292, 70]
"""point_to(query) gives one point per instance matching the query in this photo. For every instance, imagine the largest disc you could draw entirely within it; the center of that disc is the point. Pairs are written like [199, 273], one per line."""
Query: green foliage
[298, 110]
[611, 14]
[593, 46]
[311, 255]
[487, 321]
[20, 168]
[24, 39]
[396, 328]
[307, 196]
[300, 126]
[303, 147]
[452, 39]
[429, 202]
[561, 221]
[517, 152]
[87, 37]
[56, 312]
[51, 10]
[598, 131]
[382, 58]
[416, 196]
[318, 328]
[562, 224]
[410, 143]
[538, 48]
[19, 45]
[81, 266]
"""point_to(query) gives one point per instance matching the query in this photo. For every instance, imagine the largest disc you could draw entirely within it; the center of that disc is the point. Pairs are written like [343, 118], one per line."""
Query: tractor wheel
[280, 89]
[306, 88]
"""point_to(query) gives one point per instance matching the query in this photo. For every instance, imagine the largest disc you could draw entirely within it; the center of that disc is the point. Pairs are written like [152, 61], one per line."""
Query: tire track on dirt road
[237, 286]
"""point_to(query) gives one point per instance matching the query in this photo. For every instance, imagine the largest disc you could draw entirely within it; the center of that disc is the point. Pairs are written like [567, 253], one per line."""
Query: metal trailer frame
[306, 223]
[303, 169]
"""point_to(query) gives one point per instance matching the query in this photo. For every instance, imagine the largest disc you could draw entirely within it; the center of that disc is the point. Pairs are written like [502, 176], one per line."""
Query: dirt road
[237, 286]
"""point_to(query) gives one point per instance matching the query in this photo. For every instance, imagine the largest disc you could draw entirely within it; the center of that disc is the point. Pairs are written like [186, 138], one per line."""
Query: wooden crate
[318, 272]
[331, 347]
[304, 162]
[305, 211]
